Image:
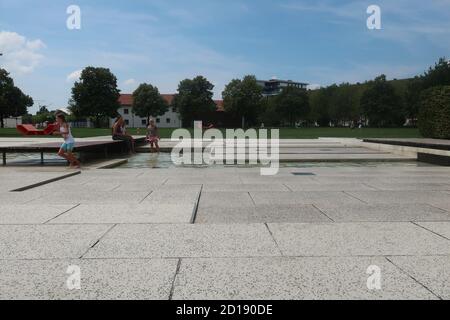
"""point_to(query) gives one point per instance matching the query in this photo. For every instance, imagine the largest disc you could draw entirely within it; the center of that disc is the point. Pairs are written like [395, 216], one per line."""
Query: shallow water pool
[163, 160]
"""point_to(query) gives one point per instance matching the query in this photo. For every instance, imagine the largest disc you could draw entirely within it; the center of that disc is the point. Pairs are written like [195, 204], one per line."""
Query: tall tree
[412, 98]
[13, 102]
[439, 75]
[43, 114]
[242, 100]
[147, 102]
[43, 110]
[382, 105]
[293, 104]
[95, 95]
[321, 102]
[6, 83]
[344, 105]
[269, 115]
[194, 100]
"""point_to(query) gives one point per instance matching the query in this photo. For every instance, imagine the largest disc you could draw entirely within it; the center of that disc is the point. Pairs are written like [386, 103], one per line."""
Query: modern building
[274, 87]
[171, 119]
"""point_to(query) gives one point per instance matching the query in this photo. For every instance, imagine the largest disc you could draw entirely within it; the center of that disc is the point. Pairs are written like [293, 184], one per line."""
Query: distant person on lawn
[66, 150]
[153, 135]
[119, 133]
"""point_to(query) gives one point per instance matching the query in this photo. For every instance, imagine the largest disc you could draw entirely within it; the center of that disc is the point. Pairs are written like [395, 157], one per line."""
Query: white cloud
[129, 82]
[35, 44]
[74, 76]
[314, 86]
[20, 55]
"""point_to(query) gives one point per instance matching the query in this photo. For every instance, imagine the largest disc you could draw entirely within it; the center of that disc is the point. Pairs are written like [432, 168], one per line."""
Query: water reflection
[163, 160]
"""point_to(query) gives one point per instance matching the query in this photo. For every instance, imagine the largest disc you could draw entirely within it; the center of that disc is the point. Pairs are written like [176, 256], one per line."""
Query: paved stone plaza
[226, 233]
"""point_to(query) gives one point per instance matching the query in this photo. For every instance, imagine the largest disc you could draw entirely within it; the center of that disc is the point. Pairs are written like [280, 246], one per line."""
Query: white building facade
[171, 119]
[12, 122]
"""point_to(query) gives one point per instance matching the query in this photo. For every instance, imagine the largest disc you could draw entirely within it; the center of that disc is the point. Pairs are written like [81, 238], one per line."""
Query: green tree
[6, 84]
[13, 102]
[344, 104]
[18, 102]
[242, 100]
[381, 104]
[293, 104]
[412, 98]
[194, 100]
[321, 102]
[269, 115]
[96, 95]
[434, 116]
[43, 110]
[439, 75]
[43, 114]
[147, 102]
[27, 119]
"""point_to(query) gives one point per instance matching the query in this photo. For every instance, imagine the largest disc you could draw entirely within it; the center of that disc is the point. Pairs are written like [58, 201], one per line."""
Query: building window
[174, 110]
[168, 120]
[127, 122]
[144, 122]
[126, 111]
[158, 120]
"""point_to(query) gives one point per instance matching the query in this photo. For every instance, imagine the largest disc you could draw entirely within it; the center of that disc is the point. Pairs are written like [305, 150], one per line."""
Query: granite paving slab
[357, 239]
[260, 214]
[99, 279]
[307, 197]
[384, 212]
[292, 279]
[48, 241]
[127, 213]
[30, 214]
[431, 271]
[441, 228]
[185, 240]
[225, 199]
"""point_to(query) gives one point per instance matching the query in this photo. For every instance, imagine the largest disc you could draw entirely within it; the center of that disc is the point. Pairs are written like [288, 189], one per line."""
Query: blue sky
[164, 41]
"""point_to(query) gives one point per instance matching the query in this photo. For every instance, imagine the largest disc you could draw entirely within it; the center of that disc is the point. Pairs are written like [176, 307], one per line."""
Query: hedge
[434, 113]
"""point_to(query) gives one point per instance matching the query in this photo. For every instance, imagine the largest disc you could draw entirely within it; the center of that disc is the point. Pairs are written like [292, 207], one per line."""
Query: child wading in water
[153, 135]
[69, 142]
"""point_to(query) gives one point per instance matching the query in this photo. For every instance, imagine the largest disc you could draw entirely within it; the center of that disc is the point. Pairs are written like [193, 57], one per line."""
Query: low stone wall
[403, 150]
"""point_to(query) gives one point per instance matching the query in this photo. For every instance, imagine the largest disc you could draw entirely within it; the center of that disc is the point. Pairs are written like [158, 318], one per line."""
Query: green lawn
[312, 133]
[285, 133]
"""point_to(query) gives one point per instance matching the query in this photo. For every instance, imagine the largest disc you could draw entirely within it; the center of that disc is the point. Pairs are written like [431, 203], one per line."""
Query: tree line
[376, 103]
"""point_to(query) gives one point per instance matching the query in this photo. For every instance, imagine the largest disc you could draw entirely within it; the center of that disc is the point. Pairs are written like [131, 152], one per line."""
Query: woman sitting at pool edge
[119, 133]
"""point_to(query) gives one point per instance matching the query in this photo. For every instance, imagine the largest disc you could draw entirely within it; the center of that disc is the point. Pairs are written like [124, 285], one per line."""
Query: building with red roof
[171, 119]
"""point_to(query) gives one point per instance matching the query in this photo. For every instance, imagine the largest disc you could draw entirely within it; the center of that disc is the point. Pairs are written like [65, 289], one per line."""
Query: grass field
[285, 133]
